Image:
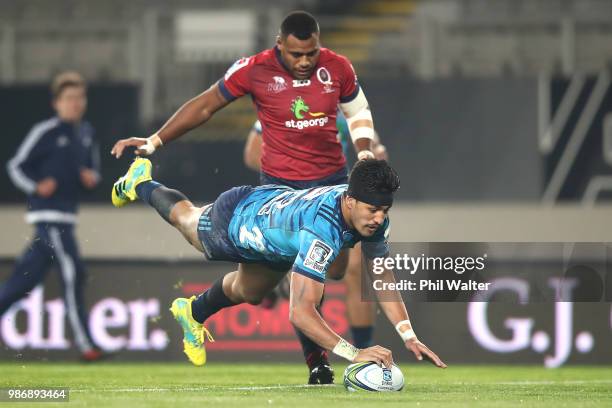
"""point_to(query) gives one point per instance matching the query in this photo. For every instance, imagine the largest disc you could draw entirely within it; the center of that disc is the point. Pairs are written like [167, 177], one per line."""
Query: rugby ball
[369, 376]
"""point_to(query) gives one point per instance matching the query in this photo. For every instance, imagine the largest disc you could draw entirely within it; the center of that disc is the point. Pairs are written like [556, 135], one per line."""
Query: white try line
[213, 388]
[550, 382]
[315, 387]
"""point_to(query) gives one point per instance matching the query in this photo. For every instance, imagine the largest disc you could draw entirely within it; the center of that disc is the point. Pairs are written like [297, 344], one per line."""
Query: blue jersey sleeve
[378, 244]
[315, 255]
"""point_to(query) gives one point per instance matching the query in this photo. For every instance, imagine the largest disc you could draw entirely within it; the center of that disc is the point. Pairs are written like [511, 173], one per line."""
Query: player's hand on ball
[377, 354]
[144, 146]
[422, 352]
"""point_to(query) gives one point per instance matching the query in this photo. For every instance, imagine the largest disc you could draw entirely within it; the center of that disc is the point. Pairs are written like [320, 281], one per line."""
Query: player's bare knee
[182, 214]
[245, 294]
[185, 219]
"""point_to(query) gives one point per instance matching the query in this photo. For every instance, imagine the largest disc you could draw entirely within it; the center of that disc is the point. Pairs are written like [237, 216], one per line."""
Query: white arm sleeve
[355, 110]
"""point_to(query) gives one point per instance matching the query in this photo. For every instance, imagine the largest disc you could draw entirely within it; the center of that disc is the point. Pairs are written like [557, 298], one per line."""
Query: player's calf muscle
[250, 283]
[238, 292]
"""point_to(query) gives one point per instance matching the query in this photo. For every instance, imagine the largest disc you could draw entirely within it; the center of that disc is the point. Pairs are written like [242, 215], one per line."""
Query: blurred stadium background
[496, 115]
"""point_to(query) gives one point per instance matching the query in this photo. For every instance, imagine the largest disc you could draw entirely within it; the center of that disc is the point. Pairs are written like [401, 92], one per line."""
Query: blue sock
[363, 336]
[145, 189]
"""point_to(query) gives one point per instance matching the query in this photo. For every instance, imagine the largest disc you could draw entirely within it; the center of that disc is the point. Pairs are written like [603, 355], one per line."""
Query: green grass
[243, 385]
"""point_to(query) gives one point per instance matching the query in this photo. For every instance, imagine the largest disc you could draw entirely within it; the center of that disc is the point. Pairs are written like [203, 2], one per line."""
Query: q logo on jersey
[324, 77]
[318, 255]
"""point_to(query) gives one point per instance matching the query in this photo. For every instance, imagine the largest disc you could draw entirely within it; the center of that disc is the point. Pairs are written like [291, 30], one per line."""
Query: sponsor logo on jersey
[318, 255]
[278, 85]
[301, 82]
[305, 118]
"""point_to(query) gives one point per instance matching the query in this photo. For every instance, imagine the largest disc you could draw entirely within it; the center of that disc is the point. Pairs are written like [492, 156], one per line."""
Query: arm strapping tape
[407, 334]
[346, 350]
[152, 143]
[357, 110]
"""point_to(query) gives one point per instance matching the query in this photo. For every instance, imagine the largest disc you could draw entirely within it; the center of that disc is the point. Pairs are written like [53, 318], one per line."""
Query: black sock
[159, 197]
[145, 189]
[210, 302]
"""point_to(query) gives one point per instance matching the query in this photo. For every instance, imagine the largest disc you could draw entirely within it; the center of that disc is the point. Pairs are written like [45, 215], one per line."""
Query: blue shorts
[213, 230]
[339, 177]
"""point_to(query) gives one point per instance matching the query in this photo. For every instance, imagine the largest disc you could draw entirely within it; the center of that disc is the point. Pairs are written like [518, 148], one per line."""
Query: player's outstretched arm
[191, 115]
[394, 308]
[305, 295]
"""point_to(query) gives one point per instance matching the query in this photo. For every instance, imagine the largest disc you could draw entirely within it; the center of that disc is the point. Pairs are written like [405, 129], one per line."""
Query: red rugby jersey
[298, 117]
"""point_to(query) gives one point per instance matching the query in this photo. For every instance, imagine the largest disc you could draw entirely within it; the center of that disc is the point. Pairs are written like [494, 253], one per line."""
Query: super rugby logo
[300, 109]
[387, 377]
[318, 255]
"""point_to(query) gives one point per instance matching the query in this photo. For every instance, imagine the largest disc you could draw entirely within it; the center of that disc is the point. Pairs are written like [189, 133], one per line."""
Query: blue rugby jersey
[279, 224]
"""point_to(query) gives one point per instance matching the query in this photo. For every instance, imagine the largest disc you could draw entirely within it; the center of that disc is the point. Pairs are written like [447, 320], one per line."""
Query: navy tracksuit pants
[53, 244]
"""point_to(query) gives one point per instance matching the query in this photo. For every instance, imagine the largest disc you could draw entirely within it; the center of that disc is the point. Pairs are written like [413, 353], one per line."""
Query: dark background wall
[450, 140]
[460, 139]
[112, 109]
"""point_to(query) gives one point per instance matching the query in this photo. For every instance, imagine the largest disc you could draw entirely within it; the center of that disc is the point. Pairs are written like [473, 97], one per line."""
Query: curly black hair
[373, 176]
[299, 24]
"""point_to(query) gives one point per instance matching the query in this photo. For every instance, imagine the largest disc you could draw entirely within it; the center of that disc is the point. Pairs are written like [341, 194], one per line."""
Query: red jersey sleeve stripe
[351, 96]
[224, 91]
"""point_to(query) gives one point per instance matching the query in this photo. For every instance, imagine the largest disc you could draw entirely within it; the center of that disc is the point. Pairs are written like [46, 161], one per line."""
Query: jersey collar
[277, 54]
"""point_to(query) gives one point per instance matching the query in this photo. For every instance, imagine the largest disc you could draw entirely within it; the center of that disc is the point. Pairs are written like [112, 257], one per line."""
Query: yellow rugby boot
[193, 332]
[124, 189]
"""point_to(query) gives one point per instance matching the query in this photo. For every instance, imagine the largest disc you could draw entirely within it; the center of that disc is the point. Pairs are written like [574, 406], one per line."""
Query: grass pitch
[281, 385]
